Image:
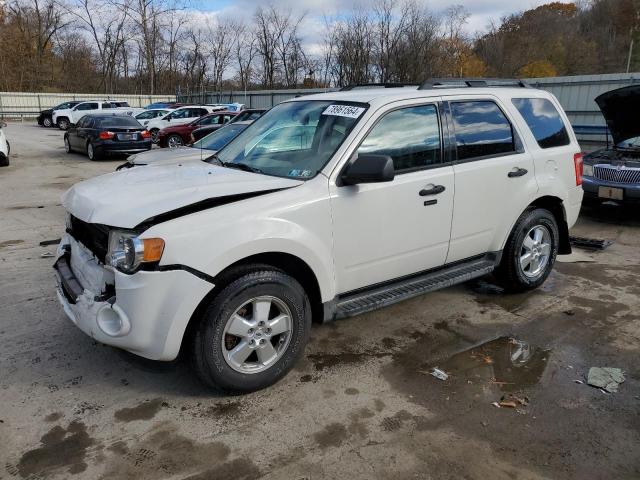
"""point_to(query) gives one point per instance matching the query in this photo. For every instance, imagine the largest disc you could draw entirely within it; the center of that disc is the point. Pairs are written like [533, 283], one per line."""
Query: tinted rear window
[119, 121]
[481, 130]
[543, 120]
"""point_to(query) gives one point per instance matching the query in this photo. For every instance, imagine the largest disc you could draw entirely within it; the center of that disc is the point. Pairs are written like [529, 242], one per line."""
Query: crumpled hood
[128, 197]
[169, 155]
[620, 108]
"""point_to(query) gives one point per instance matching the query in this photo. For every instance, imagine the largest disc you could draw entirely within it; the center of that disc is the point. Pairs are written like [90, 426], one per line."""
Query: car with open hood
[613, 173]
[327, 206]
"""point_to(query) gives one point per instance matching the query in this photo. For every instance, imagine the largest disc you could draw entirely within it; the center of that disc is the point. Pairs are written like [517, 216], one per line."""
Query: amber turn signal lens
[153, 248]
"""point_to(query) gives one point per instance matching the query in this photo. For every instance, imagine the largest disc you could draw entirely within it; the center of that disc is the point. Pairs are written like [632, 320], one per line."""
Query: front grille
[613, 174]
[92, 235]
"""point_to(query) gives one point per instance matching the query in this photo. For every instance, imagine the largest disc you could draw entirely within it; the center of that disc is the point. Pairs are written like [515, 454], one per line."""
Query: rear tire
[47, 122]
[530, 251]
[154, 134]
[236, 347]
[92, 152]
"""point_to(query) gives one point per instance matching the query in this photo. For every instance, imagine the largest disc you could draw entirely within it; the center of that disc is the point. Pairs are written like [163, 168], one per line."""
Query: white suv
[327, 206]
[65, 117]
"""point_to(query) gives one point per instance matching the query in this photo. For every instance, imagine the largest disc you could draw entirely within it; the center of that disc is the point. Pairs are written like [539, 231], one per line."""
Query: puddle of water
[505, 362]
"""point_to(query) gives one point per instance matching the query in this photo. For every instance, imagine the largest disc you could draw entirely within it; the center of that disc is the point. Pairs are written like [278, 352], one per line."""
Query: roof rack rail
[377, 85]
[472, 82]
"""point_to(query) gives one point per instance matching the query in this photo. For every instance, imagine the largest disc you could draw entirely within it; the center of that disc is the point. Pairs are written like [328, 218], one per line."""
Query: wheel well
[290, 264]
[556, 207]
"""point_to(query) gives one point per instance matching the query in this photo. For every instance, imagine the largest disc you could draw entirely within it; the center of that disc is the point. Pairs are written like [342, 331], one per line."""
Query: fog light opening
[113, 321]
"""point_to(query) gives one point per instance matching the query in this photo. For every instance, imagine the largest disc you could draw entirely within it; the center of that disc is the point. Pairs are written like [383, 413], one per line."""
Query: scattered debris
[569, 312]
[606, 378]
[46, 243]
[512, 401]
[590, 243]
[439, 374]
[579, 381]
[47, 255]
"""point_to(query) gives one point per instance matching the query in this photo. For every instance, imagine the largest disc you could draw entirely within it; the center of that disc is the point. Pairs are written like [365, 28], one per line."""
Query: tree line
[160, 46]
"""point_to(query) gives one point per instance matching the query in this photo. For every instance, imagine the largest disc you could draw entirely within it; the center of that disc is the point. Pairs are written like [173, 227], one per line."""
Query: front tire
[63, 123]
[530, 252]
[67, 145]
[252, 332]
[174, 141]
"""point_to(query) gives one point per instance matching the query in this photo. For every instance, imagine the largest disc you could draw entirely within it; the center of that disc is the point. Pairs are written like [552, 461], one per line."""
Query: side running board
[403, 289]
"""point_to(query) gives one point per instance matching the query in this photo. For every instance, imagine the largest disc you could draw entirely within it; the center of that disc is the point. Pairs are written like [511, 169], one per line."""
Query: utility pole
[630, 53]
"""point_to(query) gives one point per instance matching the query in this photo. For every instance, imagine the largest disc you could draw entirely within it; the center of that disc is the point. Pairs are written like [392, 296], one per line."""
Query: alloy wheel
[535, 252]
[257, 334]
[174, 141]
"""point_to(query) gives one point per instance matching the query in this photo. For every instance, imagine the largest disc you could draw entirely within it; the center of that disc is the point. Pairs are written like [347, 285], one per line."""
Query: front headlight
[587, 170]
[127, 252]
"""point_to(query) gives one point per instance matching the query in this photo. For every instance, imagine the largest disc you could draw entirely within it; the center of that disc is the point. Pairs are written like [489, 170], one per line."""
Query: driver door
[384, 231]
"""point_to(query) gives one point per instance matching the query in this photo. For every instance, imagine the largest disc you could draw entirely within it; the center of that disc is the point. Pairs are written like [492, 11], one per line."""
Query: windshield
[294, 139]
[219, 138]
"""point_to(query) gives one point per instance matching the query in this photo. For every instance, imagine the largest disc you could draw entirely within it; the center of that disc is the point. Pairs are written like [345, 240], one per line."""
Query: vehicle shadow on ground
[612, 213]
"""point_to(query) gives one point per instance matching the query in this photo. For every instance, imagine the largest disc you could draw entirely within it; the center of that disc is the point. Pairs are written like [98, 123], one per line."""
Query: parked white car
[5, 148]
[63, 118]
[367, 198]
[145, 116]
[180, 116]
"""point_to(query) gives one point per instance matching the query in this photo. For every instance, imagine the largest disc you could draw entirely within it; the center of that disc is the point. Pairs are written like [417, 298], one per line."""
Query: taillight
[146, 134]
[579, 166]
[106, 135]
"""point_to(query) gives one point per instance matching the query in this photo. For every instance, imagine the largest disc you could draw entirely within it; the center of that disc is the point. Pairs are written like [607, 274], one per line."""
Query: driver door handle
[433, 190]
[517, 172]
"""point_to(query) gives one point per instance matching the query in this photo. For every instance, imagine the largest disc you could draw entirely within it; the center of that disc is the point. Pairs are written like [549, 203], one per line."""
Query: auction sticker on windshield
[343, 111]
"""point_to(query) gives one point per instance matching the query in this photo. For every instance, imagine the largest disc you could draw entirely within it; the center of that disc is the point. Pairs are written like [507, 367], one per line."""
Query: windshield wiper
[242, 166]
[215, 160]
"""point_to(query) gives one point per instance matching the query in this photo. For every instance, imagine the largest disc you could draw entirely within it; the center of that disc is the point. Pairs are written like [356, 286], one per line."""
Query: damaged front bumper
[145, 313]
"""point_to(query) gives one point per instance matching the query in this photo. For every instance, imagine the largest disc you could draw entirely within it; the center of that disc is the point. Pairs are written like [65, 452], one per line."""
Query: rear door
[383, 231]
[494, 176]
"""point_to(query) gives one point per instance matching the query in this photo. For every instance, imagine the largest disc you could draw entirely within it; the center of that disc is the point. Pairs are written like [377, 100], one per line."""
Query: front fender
[294, 221]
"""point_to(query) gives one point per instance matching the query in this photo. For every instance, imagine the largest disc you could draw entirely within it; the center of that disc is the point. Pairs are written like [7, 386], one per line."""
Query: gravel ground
[361, 405]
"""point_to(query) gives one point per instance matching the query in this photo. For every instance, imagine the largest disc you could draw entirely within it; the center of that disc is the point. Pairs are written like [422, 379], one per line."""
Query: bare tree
[105, 25]
[38, 21]
[222, 38]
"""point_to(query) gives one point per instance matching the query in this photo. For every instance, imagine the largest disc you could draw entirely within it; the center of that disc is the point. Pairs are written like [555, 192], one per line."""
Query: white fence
[20, 104]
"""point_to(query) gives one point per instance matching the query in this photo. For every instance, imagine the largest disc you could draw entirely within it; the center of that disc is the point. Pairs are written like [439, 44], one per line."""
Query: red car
[178, 135]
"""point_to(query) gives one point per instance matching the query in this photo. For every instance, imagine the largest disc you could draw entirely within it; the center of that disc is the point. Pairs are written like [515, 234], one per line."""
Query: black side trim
[387, 293]
[193, 271]
[198, 207]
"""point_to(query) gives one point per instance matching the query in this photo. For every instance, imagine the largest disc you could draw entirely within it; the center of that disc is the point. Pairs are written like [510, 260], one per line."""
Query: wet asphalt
[361, 404]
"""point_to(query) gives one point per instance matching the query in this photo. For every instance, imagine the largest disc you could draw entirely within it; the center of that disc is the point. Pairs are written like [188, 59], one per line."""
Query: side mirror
[369, 169]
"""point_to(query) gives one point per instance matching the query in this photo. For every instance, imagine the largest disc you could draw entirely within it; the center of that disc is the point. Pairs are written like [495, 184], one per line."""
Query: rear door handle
[434, 190]
[517, 172]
